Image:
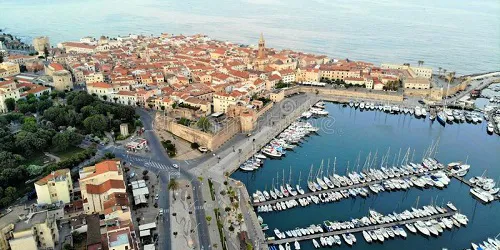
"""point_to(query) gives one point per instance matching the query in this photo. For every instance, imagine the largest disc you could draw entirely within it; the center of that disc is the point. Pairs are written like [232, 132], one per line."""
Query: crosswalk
[157, 165]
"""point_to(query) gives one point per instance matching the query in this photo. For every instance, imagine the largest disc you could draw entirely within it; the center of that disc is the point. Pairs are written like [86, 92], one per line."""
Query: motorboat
[422, 228]
[442, 118]
[411, 227]
[490, 128]
[482, 195]
[451, 206]
[367, 237]
[315, 243]
[296, 245]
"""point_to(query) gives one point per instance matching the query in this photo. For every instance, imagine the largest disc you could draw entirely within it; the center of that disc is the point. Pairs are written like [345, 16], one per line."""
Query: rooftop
[35, 219]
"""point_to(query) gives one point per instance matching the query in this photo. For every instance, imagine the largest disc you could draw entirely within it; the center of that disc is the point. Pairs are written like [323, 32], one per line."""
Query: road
[160, 163]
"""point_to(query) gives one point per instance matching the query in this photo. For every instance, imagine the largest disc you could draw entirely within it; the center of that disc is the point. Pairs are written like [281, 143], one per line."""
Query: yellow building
[40, 43]
[39, 231]
[425, 72]
[277, 95]
[98, 186]
[308, 75]
[9, 69]
[222, 101]
[416, 83]
[94, 77]
[57, 186]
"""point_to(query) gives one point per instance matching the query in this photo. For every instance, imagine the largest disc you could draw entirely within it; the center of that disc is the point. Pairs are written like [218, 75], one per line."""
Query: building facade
[55, 187]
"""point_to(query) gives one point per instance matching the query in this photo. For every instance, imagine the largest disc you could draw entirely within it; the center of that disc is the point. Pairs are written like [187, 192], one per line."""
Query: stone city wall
[429, 94]
[349, 94]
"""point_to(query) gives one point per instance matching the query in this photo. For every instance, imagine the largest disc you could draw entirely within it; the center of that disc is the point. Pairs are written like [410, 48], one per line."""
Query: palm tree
[439, 70]
[208, 218]
[451, 76]
[444, 71]
[204, 124]
[173, 185]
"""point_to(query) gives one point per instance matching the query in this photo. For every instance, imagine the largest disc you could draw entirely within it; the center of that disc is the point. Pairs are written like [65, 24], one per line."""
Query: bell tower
[262, 47]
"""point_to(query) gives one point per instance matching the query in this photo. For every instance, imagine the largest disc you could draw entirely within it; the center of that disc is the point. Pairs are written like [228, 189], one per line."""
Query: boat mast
[290, 176]
[300, 177]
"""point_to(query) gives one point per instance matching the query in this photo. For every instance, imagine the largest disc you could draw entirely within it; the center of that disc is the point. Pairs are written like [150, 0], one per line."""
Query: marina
[296, 164]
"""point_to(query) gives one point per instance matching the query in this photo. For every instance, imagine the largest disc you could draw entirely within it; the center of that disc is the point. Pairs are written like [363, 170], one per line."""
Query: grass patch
[67, 153]
[38, 158]
[212, 192]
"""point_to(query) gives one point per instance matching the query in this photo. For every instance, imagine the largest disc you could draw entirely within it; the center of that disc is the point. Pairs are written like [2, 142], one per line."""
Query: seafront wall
[343, 94]
[429, 94]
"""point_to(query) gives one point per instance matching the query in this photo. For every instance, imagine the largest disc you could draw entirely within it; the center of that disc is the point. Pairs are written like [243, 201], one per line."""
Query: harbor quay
[360, 229]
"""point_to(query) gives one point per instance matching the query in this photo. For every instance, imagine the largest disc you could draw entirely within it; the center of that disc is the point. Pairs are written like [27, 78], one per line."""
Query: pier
[365, 184]
[359, 229]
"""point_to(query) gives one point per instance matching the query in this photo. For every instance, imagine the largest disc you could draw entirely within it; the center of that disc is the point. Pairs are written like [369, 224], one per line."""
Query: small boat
[296, 245]
[367, 237]
[451, 206]
[287, 246]
[490, 128]
[442, 118]
[315, 243]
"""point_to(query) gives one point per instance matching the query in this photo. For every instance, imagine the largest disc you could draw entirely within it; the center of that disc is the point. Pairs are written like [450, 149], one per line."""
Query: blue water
[457, 35]
[347, 133]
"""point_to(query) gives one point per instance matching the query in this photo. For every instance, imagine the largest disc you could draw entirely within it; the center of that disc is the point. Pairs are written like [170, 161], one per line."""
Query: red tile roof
[105, 186]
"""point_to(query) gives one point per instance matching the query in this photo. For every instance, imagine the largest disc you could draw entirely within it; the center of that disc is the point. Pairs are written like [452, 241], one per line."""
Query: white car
[156, 197]
[175, 166]
[160, 213]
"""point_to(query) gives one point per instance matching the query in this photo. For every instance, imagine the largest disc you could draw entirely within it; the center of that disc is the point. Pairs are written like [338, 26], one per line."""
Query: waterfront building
[82, 48]
[425, 72]
[55, 187]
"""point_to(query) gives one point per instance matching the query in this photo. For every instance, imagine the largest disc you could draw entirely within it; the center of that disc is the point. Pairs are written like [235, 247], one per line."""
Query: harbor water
[348, 133]
[457, 35]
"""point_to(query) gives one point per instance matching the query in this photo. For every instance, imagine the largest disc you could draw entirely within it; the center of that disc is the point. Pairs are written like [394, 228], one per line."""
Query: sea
[348, 134]
[457, 35]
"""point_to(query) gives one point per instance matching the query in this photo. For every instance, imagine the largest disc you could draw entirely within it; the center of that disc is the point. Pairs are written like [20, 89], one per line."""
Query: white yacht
[315, 243]
[490, 128]
[296, 245]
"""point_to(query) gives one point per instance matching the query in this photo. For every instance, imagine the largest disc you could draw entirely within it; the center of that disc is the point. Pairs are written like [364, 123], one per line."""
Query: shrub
[195, 145]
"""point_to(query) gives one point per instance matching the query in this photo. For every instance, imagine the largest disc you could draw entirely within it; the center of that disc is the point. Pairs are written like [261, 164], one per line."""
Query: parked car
[175, 166]
[157, 197]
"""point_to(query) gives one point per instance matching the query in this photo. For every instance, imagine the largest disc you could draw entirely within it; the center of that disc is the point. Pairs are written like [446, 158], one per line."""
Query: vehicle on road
[203, 149]
[157, 197]
[160, 213]
[175, 166]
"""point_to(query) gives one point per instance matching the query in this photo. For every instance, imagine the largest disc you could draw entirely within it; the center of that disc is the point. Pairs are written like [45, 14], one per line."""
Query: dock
[365, 184]
[359, 229]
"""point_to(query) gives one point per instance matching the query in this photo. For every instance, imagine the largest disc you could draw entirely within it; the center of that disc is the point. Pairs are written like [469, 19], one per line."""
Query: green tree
[208, 218]
[29, 124]
[204, 124]
[10, 103]
[63, 140]
[96, 124]
[173, 186]
[46, 52]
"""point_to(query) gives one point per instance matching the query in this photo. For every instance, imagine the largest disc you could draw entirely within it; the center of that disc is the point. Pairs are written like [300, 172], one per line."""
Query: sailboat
[299, 189]
[310, 183]
[321, 183]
